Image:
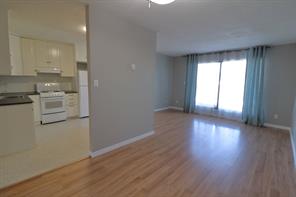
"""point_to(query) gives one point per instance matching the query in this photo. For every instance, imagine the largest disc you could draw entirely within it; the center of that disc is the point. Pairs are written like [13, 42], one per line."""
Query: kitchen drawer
[71, 99]
[71, 104]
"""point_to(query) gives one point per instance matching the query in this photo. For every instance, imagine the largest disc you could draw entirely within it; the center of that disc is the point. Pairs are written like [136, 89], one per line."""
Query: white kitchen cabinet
[17, 128]
[41, 55]
[28, 57]
[72, 105]
[54, 55]
[36, 107]
[47, 54]
[15, 55]
[68, 64]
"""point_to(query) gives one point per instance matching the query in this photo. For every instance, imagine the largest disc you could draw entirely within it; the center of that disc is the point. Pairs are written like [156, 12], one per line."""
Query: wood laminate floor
[189, 155]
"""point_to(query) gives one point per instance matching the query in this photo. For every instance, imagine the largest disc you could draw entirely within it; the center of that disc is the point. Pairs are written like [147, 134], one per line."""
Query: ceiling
[53, 20]
[183, 27]
[197, 26]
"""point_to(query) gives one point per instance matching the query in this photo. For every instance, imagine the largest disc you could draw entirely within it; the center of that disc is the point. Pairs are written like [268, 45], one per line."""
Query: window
[207, 84]
[232, 85]
[220, 85]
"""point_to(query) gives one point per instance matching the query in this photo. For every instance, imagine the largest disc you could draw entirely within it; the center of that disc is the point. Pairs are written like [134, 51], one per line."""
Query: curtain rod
[234, 50]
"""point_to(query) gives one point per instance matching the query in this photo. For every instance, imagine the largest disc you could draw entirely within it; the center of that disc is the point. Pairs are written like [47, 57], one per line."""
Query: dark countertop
[18, 93]
[71, 92]
[31, 93]
[15, 100]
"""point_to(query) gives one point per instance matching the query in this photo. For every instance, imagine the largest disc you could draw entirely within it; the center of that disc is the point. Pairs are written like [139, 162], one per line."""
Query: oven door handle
[57, 98]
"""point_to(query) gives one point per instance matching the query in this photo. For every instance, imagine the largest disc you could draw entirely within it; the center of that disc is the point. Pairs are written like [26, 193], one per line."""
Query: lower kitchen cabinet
[72, 105]
[36, 107]
[17, 128]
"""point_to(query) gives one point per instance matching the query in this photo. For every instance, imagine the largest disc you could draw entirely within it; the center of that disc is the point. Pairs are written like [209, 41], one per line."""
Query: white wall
[164, 81]
[4, 45]
[280, 84]
[179, 82]
[122, 106]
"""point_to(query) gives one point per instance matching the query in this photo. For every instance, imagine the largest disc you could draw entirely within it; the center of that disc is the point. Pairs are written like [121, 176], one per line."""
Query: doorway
[62, 26]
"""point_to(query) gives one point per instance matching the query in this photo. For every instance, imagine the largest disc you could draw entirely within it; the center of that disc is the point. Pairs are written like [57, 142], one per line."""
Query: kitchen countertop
[18, 93]
[71, 92]
[15, 100]
[32, 93]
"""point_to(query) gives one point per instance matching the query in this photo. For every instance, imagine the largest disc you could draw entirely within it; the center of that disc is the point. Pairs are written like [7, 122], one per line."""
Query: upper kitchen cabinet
[38, 56]
[28, 57]
[15, 55]
[68, 64]
[47, 56]
[22, 56]
[5, 68]
[52, 39]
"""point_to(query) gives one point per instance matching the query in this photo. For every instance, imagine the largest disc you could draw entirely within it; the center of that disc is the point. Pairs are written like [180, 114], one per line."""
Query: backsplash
[27, 84]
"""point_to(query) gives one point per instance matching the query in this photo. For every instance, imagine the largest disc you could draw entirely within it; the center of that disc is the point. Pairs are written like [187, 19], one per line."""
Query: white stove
[52, 94]
[52, 101]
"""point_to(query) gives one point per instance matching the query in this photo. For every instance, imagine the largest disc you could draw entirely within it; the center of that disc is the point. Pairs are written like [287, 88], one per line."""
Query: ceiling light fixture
[83, 28]
[161, 2]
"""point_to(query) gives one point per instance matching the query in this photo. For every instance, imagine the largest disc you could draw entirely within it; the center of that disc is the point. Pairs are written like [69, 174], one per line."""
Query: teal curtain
[190, 88]
[253, 112]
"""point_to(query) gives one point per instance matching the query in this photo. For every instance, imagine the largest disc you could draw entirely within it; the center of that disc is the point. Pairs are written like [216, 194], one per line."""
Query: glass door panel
[207, 84]
[232, 85]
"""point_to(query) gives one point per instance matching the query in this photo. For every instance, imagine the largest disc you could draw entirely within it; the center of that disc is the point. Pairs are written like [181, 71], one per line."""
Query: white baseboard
[169, 107]
[120, 144]
[161, 109]
[277, 126]
[176, 108]
[291, 137]
[293, 148]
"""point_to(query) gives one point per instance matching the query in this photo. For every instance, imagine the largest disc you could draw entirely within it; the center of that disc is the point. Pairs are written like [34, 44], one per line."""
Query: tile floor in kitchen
[58, 144]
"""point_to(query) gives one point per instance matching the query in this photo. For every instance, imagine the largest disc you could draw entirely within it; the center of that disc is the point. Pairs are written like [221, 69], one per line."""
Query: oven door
[50, 105]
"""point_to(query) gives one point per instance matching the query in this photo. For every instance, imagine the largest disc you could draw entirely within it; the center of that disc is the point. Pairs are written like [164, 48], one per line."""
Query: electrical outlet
[177, 102]
[275, 116]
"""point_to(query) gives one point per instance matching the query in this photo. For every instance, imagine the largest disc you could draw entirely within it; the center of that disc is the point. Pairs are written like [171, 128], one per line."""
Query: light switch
[133, 67]
[96, 83]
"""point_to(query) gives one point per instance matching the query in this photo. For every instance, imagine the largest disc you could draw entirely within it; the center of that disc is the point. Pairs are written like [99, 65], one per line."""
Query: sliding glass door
[207, 84]
[220, 87]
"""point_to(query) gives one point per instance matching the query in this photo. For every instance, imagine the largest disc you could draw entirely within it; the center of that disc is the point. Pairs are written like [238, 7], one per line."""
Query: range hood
[53, 70]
